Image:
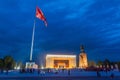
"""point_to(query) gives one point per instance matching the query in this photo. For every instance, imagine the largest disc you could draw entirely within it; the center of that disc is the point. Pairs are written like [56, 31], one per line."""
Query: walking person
[38, 71]
[112, 76]
[69, 72]
[98, 74]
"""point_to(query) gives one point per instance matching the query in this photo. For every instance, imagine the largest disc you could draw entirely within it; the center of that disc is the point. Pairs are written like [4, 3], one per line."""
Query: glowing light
[69, 56]
[17, 67]
[68, 61]
[42, 67]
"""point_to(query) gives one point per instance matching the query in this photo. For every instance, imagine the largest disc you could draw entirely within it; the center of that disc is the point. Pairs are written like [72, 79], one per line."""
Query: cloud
[94, 23]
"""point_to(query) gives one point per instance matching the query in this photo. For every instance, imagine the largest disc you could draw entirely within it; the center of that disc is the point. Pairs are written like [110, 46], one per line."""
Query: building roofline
[52, 55]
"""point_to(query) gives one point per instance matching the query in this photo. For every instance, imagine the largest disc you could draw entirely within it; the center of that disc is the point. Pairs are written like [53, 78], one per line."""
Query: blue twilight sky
[93, 23]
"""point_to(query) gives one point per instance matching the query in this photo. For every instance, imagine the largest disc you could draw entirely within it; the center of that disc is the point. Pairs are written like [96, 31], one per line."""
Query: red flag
[40, 15]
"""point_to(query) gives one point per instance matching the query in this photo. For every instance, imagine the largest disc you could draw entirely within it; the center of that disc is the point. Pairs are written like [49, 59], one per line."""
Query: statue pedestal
[31, 65]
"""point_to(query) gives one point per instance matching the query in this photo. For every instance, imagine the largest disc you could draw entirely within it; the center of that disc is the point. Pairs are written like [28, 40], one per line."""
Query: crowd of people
[68, 72]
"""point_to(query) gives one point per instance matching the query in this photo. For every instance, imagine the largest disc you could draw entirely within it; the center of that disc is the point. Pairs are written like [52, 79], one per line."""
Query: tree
[92, 64]
[1, 63]
[99, 63]
[118, 65]
[106, 62]
[9, 62]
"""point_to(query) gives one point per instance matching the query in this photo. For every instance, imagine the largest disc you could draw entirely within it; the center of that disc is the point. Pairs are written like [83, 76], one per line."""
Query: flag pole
[32, 43]
[40, 16]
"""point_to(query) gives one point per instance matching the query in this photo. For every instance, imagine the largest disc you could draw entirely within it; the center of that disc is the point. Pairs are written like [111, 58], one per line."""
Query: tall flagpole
[32, 43]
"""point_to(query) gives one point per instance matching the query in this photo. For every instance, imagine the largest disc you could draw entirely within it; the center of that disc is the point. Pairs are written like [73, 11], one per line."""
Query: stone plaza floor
[74, 75]
[60, 78]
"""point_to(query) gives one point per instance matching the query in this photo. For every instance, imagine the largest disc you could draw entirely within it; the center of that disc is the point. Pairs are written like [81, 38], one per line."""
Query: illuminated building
[61, 61]
[67, 61]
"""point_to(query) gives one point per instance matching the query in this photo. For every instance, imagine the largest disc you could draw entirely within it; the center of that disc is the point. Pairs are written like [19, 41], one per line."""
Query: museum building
[67, 61]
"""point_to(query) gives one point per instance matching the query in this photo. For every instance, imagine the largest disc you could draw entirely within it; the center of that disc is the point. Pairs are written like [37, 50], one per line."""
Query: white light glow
[69, 56]
[42, 67]
[17, 67]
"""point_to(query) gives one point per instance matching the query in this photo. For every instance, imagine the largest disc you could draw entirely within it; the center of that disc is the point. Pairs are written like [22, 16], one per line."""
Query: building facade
[67, 61]
[61, 61]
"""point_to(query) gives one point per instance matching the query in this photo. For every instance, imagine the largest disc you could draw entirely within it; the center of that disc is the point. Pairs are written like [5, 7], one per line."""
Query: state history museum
[67, 61]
